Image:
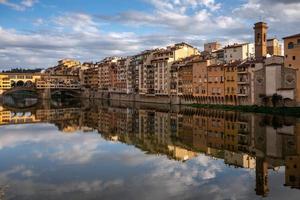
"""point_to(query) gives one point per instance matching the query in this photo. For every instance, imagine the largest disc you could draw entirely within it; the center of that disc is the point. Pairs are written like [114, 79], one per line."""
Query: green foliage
[286, 111]
[276, 99]
[22, 70]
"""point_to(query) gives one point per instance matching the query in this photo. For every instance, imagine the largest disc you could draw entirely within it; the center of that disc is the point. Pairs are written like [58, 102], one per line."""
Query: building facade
[292, 58]
[274, 48]
[238, 52]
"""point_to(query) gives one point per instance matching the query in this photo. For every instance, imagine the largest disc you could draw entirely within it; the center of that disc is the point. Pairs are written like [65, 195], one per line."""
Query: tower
[260, 36]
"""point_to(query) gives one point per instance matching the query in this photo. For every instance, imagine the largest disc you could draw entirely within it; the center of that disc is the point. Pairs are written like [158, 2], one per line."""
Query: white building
[238, 52]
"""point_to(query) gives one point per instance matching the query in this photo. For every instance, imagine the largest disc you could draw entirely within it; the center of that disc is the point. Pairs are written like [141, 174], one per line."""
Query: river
[121, 150]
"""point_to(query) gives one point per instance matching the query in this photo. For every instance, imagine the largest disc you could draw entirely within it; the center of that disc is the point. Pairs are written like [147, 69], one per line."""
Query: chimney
[260, 36]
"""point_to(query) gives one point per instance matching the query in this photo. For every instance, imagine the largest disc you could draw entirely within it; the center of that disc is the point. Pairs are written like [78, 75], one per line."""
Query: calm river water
[118, 150]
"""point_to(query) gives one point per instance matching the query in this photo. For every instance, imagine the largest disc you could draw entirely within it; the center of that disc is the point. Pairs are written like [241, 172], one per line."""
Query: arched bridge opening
[64, 93]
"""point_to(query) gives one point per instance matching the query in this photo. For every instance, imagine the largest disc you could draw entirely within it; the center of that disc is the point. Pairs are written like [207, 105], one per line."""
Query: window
[291, 45]
[294, 57]
[298, 41]
[258, 37]
[286, 56]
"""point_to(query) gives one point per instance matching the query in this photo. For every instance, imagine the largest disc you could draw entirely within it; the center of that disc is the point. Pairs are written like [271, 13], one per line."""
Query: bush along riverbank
[287, 111]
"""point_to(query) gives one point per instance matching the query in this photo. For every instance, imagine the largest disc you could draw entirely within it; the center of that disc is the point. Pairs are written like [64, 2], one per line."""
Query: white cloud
[282, 16]
[81, 36]
[74, 35]
[28, 3]
[77, 23]
[21, 6]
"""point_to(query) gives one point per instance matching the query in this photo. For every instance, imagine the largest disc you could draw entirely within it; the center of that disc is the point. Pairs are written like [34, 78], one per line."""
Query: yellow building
[69, 63]
[181, 154]
[292, 58]
[65, 67]
[215, 87]
[8, 117]
[10, 80]
[5, 117]
[231, 79]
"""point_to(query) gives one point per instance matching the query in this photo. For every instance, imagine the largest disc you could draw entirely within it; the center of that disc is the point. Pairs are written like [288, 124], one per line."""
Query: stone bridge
[44, 85]
[18, 89]
[8, 117]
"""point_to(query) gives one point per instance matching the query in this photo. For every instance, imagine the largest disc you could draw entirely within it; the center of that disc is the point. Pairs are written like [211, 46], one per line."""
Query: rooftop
[235, 45]
[292, 36]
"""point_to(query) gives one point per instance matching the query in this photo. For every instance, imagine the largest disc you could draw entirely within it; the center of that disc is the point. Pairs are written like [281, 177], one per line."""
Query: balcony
[242, 94]
[243, 81]
[242, 71]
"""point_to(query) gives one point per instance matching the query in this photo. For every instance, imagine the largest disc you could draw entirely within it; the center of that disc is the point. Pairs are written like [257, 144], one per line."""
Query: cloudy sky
[36, 33]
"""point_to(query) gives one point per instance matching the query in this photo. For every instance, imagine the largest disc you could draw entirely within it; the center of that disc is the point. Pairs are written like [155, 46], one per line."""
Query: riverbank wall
[174, 100]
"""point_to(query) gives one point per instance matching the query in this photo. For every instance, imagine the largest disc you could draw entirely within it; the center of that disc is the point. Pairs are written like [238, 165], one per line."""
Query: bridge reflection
[257, 142]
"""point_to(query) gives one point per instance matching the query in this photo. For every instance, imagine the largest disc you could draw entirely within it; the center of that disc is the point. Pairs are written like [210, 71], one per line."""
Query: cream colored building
[162, 62]
[274, 78]
[238, 52]
[239, 159]
[274, 48]
[146, 72]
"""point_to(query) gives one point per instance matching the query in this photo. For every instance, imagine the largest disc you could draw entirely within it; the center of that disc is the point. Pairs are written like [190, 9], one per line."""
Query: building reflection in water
[243, 140]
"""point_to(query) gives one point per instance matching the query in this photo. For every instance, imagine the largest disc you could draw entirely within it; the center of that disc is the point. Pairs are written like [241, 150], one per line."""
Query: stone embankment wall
[174, 100]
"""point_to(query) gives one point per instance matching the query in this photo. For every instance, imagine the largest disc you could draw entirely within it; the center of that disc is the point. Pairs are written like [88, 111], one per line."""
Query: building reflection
[243, 140]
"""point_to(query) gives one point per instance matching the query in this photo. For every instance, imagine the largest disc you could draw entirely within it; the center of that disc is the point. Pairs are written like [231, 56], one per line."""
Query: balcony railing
[243, 81]
[242, 94]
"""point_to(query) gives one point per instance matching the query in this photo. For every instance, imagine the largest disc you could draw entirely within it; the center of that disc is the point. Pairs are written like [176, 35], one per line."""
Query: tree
[276, 99]
[264, 99]
[285, 101]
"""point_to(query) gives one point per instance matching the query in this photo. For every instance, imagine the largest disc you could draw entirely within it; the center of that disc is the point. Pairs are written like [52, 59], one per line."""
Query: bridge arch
[28, 84]
[20, 83]
[65, 93]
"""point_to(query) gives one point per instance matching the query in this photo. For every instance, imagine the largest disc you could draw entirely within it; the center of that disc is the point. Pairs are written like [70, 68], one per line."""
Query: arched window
[258, 37]
[291, 45]
[265, 38]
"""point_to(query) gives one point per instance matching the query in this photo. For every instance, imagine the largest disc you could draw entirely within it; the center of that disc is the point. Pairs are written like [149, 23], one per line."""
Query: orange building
[215, 130]
[292, 58]
[185, 79]
[231, 79]
[200, 79]
[215, 87]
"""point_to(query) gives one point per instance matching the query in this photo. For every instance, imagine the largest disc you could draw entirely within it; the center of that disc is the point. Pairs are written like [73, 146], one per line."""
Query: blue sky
[36, 33]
